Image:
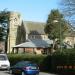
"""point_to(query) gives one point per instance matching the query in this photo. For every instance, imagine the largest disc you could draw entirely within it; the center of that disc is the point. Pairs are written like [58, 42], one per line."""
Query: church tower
[14, 24]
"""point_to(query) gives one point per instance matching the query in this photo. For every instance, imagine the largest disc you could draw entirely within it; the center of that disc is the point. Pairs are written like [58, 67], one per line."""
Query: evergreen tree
[56, 25]
[4, 27]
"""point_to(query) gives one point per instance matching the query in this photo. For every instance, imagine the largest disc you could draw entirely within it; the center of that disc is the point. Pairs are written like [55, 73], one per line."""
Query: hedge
[14, 58]
[63, 62]
[58, 62]
[39, 59]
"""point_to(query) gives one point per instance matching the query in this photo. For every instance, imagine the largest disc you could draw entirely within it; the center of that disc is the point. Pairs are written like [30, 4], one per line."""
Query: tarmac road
[7, 73]
[4, 73]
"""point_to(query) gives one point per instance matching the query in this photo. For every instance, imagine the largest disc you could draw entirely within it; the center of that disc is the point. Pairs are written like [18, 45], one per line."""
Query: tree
[54, 21]
[68, 8]
[4, 24]
[4, 18]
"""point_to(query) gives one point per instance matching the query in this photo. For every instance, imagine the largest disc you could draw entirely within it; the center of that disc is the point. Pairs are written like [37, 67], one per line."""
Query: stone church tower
[14, 25]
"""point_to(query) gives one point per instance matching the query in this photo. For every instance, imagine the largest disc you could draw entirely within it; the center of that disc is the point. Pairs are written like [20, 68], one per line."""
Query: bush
[63, 61]
[14, 58]
[42, 60]
[46, 64]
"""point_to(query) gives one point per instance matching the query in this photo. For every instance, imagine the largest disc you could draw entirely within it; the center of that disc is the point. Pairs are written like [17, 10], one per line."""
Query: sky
[30, 10]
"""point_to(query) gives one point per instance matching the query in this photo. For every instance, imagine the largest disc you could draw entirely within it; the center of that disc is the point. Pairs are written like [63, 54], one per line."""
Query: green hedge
[14, 58]
[42, 60]
[63, 62]
[50, 63]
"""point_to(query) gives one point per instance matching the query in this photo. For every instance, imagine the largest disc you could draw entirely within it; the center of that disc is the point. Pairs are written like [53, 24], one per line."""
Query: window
[2, 57]
[31, 36]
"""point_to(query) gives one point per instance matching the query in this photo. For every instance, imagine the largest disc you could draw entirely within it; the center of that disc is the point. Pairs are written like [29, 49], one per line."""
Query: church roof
[70, 34]
[35, 44]
[34, 27]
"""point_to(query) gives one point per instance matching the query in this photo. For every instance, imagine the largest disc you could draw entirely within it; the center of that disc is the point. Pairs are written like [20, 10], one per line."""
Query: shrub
[63, 61]
[14, 58]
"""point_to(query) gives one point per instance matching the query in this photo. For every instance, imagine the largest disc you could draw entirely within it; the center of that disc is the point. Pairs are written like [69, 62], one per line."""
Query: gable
[34, 27]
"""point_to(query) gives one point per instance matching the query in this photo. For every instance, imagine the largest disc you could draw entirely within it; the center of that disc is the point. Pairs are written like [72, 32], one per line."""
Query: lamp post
[56, 21]
[60, 37]
[0, 25]
[0, 31]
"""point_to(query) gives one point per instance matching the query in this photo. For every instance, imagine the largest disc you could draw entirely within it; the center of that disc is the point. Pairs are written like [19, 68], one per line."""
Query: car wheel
[23, 73]
[10, 71]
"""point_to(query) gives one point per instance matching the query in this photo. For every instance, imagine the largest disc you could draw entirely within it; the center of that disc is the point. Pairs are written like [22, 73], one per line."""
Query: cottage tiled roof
[70, 34]
[35, 44]
[34, 27]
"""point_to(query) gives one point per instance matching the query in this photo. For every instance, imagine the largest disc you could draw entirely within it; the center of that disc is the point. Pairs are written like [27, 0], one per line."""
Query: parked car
[25, 68]
[4, 62]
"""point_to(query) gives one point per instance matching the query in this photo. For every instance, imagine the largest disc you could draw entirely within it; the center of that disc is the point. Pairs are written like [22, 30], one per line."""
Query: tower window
[15, 19]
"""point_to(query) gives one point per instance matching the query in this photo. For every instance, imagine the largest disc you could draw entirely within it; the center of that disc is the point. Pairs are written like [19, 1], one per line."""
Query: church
[30, 37]
[26, 36]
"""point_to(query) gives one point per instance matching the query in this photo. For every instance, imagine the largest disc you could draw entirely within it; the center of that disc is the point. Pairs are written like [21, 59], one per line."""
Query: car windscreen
[31, 64]
[23, 64]
[3, 57]
[19, 65]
